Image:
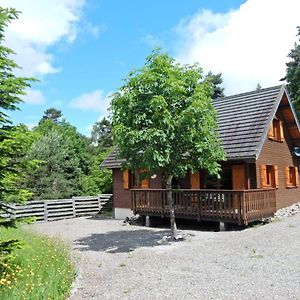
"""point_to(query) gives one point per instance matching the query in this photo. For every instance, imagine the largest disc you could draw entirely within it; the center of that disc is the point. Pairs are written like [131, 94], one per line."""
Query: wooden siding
[279, 154]
[122, 197]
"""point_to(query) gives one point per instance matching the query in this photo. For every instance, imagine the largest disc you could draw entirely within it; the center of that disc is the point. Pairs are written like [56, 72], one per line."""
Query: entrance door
[238, 181]
[238, 177]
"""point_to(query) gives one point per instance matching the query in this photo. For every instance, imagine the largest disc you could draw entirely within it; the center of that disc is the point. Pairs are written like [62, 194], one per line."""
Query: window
[292, 177]
[130, 181]
[269, 176]
[276, 131]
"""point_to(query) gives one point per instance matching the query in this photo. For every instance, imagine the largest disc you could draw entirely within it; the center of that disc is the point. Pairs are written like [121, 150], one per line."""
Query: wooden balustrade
[238, 206]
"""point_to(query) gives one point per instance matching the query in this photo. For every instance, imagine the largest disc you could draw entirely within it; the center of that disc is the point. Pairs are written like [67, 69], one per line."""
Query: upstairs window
[276, 131]
[269, 176]
[291, 177]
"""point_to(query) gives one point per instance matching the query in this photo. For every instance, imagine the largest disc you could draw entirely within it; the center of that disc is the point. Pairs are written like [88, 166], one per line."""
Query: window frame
[276, 131]
[291, 177]
[269, 176]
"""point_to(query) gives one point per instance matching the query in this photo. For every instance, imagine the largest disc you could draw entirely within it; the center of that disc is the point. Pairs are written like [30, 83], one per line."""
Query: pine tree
[293, 75]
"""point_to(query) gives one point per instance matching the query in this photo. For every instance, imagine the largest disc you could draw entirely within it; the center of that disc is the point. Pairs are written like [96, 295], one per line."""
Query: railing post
[198, 204]
[133, 201]
[240, 207]
[162, 203]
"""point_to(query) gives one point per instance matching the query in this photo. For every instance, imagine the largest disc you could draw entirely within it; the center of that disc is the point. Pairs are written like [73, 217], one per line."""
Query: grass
[40, 270]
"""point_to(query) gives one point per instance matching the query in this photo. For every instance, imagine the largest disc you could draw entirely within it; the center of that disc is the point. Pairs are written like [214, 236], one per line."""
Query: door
[238, 181]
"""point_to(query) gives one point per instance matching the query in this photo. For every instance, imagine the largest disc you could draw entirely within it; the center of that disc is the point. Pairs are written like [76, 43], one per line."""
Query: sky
[81, 50]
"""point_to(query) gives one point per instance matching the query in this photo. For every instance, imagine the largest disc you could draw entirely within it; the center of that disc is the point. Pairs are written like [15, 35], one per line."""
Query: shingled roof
[243, 123]
[244, 120]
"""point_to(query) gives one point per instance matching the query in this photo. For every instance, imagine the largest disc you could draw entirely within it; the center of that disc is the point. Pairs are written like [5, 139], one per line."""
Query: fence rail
[50, 210]
[237, 206]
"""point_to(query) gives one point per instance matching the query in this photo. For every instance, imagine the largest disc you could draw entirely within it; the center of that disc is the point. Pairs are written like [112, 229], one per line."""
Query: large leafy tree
[163, 122]
[293, 75]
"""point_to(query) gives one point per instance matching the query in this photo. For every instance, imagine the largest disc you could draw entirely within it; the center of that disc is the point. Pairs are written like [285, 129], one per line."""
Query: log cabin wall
[279, 154]
[122, 197]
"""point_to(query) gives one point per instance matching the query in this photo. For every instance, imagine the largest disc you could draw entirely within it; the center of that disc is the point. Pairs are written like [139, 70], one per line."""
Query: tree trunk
[171, 207]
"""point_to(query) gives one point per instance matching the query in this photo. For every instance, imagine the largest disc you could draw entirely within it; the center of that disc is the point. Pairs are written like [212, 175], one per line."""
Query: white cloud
[34, 97]
[152, 41]
[248, 45]
[97, 101]
[94, 30]
[40, 25]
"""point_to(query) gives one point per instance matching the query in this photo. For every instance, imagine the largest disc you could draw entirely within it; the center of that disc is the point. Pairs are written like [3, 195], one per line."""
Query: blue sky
[80, 50]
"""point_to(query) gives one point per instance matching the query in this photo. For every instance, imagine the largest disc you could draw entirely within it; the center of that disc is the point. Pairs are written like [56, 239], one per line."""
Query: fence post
[45, 211]
[74, 207]
[99, 202]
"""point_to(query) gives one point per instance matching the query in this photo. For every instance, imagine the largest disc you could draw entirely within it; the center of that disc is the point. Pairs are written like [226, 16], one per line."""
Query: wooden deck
[238, 206]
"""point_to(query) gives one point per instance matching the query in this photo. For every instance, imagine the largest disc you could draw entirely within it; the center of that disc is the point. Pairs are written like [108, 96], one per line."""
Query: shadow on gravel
[120, 241]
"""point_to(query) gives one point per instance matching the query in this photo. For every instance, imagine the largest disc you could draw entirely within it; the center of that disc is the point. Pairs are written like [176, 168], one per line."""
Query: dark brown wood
[232, 206]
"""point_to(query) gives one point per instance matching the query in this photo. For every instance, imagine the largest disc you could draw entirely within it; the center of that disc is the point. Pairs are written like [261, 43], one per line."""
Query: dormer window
[276, 131]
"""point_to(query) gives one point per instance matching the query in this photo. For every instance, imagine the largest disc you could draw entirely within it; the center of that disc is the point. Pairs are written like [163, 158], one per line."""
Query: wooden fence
[49, 210]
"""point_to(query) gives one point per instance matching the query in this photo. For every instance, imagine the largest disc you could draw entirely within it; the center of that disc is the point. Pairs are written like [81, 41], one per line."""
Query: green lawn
[40, 270]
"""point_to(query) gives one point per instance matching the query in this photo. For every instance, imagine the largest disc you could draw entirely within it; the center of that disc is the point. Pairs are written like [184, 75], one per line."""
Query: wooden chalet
[260, 135]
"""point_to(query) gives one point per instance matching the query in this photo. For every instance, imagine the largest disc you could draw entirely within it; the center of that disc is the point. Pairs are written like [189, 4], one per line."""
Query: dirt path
[125, 262]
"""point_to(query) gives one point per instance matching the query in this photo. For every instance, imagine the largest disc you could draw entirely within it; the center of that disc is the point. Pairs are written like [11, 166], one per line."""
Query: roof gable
[243, 121]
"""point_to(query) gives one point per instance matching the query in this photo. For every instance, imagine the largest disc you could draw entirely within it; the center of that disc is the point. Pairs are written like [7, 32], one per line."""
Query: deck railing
[236, 206]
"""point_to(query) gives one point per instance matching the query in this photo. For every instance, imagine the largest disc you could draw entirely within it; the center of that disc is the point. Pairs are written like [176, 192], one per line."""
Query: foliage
[98, 180]
[216, 80]
[14, 140]
[163, 119]
[39, 270]
[61, 166]
[101, 135]
[52, 114]
[163, 122]
[293, 75]
[12, 87]
[70, 162]
[14, 164]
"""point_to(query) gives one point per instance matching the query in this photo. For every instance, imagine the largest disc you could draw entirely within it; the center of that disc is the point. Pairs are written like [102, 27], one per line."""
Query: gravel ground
[125, 262]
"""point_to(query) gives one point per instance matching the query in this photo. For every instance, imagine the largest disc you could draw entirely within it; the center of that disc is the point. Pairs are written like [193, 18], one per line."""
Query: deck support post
[148, 221]
[222, 226]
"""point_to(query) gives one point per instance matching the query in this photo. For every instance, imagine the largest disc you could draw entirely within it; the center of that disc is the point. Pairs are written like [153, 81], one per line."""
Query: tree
[64, 159]
[101, 134]
[98, 180]
[293, 75]
[258, 87]
[12, 88]
[52, 114]
[163, 122]
[13, 139]
[216, 80]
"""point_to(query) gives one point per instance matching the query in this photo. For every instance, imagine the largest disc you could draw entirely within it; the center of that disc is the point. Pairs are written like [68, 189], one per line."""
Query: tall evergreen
[14, 140]
[293, 75]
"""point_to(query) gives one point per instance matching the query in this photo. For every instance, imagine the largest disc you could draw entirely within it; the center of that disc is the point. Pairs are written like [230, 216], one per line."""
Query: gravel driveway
[125, 262]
